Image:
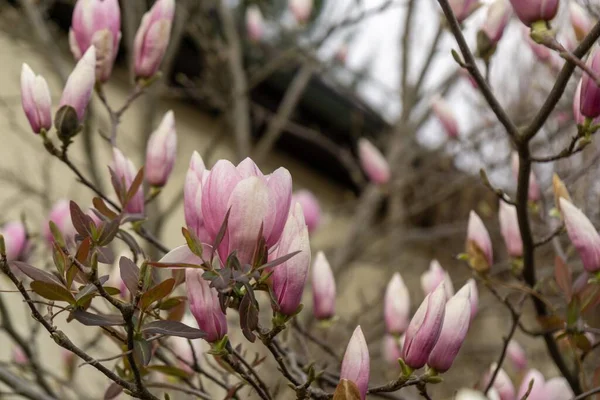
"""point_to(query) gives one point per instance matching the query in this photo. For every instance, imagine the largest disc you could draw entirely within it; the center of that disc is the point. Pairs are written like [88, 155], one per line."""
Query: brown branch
[21, 387]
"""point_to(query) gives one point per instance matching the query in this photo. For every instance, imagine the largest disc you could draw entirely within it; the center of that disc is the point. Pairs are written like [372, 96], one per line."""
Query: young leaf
[130, 274]
[171, 303]
[142, 351]
[84, 250]
[103, 208]
[89, 319]
[135, 185]
[221, 234]
[346, 390]
[52, 291]
[562, 274]
[105, 255]
[551, 322]
[108, 232]
[112, 391]
[157, 293]
[80, 220]
[172, 328]
[278, 261]
[193, 242]
[169, 371]
[248, 316]
[36, 274]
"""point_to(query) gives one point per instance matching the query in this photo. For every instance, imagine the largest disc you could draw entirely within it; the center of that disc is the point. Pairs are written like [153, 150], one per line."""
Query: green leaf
[171, 303]
[169, 370]
[573, 311]
[52, 291]
[172, 328]
[157, 293]
[346, 390]
[193, 242]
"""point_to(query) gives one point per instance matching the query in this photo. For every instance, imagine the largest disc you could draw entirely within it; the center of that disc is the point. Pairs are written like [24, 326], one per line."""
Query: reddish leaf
[193, 242]
[346, 390]
[172, 328]
[84, 250]
[112, 391]
[562, 274]
[36, 274]
[103, 208]
[135, 186]
[157, 293]
[52, 291]
[89, 319]
[81, 221]
[278, 261]
[551, 322]
[130, 274]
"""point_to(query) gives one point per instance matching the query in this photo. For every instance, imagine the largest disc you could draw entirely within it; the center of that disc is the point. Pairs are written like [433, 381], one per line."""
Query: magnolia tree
[169, 318]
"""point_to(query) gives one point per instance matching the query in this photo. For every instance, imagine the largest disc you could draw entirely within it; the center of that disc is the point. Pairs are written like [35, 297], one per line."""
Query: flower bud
[373, 162]
[19, 357]
[79, 86]
[454, 331]
[502, 384]
[577, 116]
[498, 17]
[509, 227]
[479, 244]
[582, 234]
[557, 389]
[192, 197]
[126, 172]
[444, 113]
[530, 11]
[392, 349]
[424, 329]
[288, 279]
[580, 20]
[470, 394]
[160, 153]
[469, 290]
[301, 9]
[534, 194]
[60, 214]
[356, 363]
[590, 92]
[204, 305]
[36, 100]
[435, 275]
[310, 207]
[462, 9]
[15, 240]
[97, 23]
[396, 306]
[152, 38]
[516, 355]
[537, 390]
[323, 285]
[255, 24]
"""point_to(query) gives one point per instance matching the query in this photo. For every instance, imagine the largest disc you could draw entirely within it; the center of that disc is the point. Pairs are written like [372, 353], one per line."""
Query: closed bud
[516, 355]
[479, 244]
[15, 240]
[590, 92]
[195, 178]
[502, 384]
[301, 9]
[462, 9]
[373, 162]
[454, 331]
[498, 16]
[204, 305]
[580, 20]
[161, 150]
[392, 349]
[126, 172]
[530, 11]
[80, 84]
[424, 329]
[509, 227]
[60, 214]
[323, 285]
[96, 23]
[445, 115]
[582, 234]
[152, 38]
[435, 275]
[469, 290]
[537, 389]
[67, 123]
[36, 100]
[356, 363]
[19, 357]
[396, 306]
[255, 23]
[577, 116]
[310, 207]
[560, 190]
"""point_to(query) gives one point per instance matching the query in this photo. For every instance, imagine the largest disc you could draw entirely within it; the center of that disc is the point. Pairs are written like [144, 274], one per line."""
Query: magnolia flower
[396, 306]
[530, 11]
[355, 365]
[15, 240]
[444, 113]
[537, 389]
[509, 227]
[470, 394]
[204, 305]
[469, 290]
[19, 357]
[310, 207]
[498, 17]
[126, 172]
[36, 100]
[161, 151]
[301, 9]
[195, 178]
[60, 214]
[79, 86]
[255, 24]
[323, 284]
[516, 355]
[479, 244]
[590, 92]
[502, 384]
[462, 9]
[373, 162]
[583, 235]
[435, 275]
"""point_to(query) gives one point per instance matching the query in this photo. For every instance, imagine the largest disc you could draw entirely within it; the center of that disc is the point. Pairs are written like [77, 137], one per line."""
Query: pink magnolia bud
[444, 113]
[580, 20]
[502, 384]
[557, 389]
[356, 363]
[498, 17]
[60, 214]
[79, 86]
[301, 9]
[462, 9]
[583, 235]
[537, 390]
[255, 23]
[479, 244]
[36, 100]
[516, 355]
[19, 357]
[509, 227]
[152, 38]
[454, 331]
[192, 197]
[590, 91]
[323, 284]
[310, 207]
[534, 193]
[373, 162]
[530, 11]
[396, 306]
[424, 329]
[435, 275]
[97, 23]
[392, 349]
[469, 290]
[470, 394]
[126, 171]
[15, 240]
[288, 279]
[160, 154]
[577, 116]
[204, 305]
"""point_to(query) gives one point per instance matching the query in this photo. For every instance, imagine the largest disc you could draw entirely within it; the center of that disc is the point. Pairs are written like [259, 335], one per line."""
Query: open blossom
[530, 11]
[424, 329]
[479, 244]
[502, 384]
[462, 9]
[126, 171]
[323, 285]
[454, 331]
[310, 207]
[356, 363]
[60, 214]
[255, 23]
[204, 305]
[301, 9]
[537, 390]
[196, 176]
[509, 227]
[498, 17]
[373, 162]
[36, 100]
[444, 113]
[152, 38]
[161, 151]
[469, 290]
[396, 306]
[580, 20]
[80, 84]
[15, 240]
[590, 92]
[435, 275]
[516, 355]
[288, 279]
[96, 23]
[583, 235]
